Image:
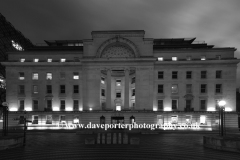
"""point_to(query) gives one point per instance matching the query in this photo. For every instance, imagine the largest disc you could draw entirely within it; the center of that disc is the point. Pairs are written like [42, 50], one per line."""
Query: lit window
[203, 58]
[188, 119]
[34, 119]
[48, 119]
[75, 75]
[63, 60]
[174, 119]
[174, 88]
[49, 60]
[35, 89]
[160, 58]
[21, 76]
[35, 76]
[174, 58]
[35, 60]
[202, 119]
[76, 120]
[22, 60]
[102, 80]
[174, 103]
[160, 120]
[189, 58]
[49, 76]
[118, 108]
[35, 105]
[118, 94]
[118, 82]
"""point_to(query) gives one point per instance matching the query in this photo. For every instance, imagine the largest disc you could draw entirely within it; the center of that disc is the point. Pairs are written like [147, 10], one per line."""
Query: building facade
[122, 77]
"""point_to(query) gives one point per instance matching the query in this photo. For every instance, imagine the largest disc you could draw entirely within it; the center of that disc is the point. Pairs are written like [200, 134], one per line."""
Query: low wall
[226, 143]
[10, 142]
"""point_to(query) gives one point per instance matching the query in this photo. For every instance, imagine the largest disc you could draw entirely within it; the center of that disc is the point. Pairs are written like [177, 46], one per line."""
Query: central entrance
[117, 120]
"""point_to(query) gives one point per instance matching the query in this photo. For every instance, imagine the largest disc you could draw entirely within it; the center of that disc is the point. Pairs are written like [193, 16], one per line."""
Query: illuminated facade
[122, 77]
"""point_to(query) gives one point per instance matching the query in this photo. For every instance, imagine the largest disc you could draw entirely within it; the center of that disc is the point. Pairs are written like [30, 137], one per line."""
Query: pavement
[169, 146]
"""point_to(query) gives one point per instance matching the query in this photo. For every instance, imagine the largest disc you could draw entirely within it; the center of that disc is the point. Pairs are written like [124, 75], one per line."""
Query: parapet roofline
[118, 32]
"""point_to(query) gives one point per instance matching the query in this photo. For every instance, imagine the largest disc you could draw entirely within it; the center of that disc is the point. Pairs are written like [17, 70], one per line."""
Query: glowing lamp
[221, 103]
[90, 109]
[13, 109]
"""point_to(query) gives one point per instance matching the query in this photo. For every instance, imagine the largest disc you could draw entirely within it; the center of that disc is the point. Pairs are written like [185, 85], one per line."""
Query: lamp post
[221, 105]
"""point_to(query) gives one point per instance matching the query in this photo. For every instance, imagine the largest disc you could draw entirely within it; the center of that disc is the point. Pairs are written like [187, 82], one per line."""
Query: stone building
[122, 77]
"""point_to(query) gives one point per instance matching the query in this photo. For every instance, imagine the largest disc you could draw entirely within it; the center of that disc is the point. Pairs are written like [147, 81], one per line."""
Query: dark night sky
[216, 22]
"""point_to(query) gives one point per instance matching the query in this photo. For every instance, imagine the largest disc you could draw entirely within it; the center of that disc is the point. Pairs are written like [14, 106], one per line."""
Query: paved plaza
[58, 146]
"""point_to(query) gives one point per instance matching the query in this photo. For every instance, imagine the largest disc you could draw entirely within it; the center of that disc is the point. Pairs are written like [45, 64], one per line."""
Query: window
[34, 119]
[118, 94]
[62, 89]
[35, 105]
[75, 89]
[203, 88]
[160, 88]
[102, 80]
[133, 80]
[48, 119]
[49, 104]
[188, 120]
[21, 76]
[202, 119]
[62, 105]
[49, 76]
[35, 89]
[118, 82]
[160, 58]
[218, 74]
[203, 74]
[103, 92]
[75, 75]
[160, 120]
[218, 57]
[62, 60]
[160, 74]
[174, 74]
[189, 58]
[21, 120]
[49, 60]
[188, 104]
[203, 104]
[216, 104]
[160, 104]
[218, 88]
[21, 89]
[49, 89]
[22, 60]
[21, 105]
[75, 105]
[174, 58]
[62, 118]
[174, 119]
[76, 120]
[35, 76]
[188, 74]
[133, 92]
[189, 88]
[174, 104]
[35, 60]
[203, 58]
[103, 105]
[62, 75]
[174, 88]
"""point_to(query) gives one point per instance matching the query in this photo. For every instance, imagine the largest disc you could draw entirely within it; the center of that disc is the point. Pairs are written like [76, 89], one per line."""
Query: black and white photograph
[119, 79]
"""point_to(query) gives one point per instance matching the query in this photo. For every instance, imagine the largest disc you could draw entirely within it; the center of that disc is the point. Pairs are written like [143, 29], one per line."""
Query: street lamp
[221, 105]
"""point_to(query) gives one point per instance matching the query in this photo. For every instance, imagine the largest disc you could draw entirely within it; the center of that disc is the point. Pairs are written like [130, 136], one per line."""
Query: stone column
[109, 97]
[126, 95]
